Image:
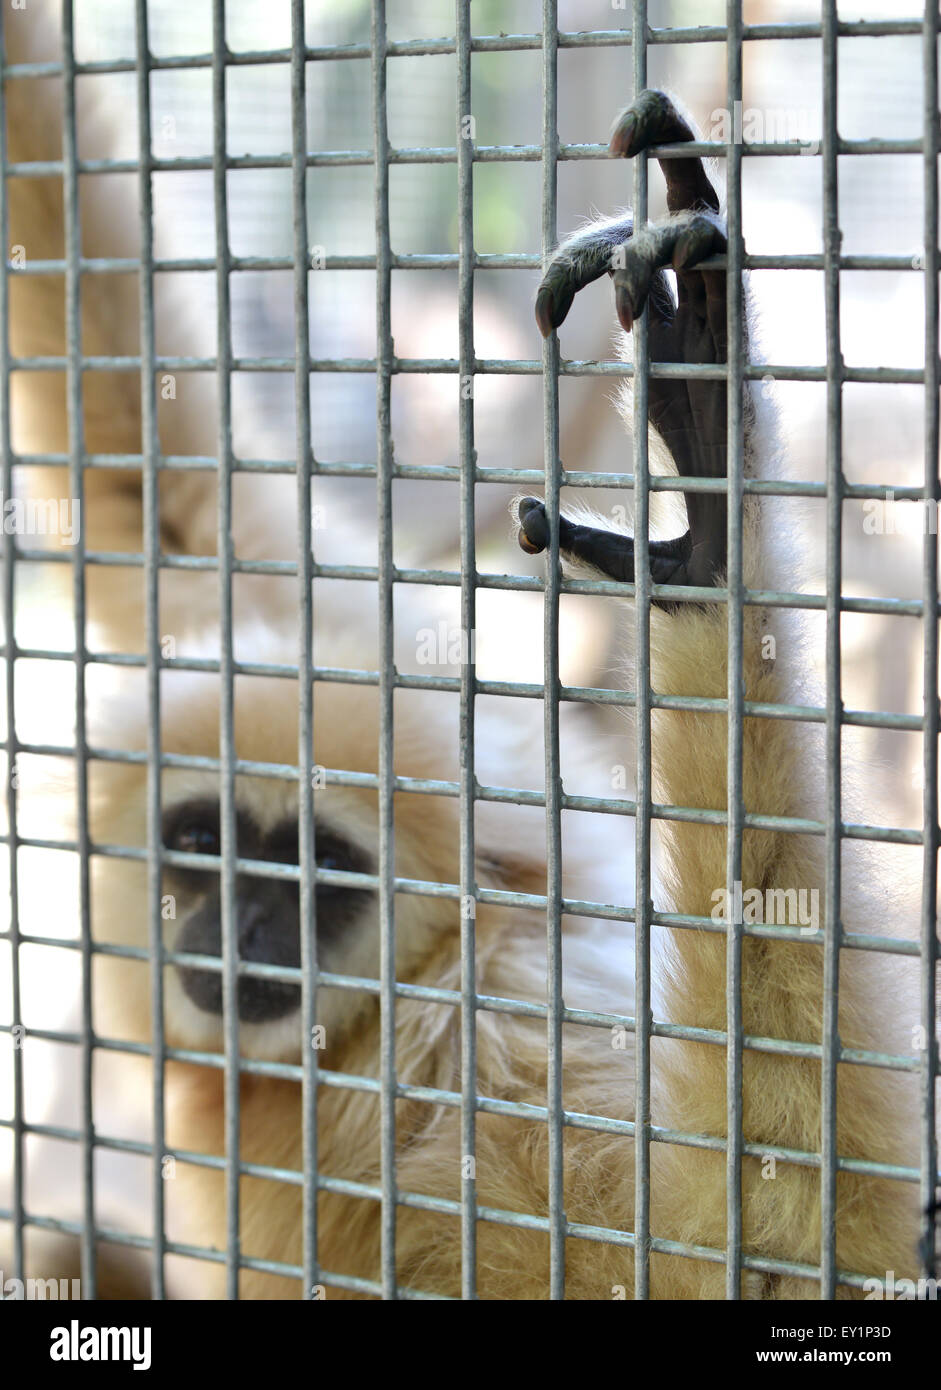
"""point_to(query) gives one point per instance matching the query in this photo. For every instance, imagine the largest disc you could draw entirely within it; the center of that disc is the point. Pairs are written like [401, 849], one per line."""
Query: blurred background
[882, 312]
[881, 211]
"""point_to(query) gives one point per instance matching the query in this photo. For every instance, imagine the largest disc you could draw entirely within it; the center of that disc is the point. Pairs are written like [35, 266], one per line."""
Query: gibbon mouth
[267, 910]
[268, 933]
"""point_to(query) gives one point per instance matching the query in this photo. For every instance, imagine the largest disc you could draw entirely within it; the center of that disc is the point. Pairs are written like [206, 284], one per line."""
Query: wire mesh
[467, 688]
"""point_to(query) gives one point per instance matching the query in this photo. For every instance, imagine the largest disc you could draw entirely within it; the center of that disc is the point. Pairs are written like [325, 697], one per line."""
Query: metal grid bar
[886, 945]
[834, 732]
[310, 968]
[487, 43]
[9, 625]
[715, 1037]
[74, 393]
[484, 43]
[932, 715]
[599, 1234]
[552, 467]
[434, 994]
[597, 1123]
[736, 678]
[227, 813]
[385, 354]
[194, 463]
[415, 887]
[444, 260]
[444, 366]
[689, 814]
[578, 1231]
[763, 598]
[809, 714]
[468, 783]
[447, 154]
[642, 893]
[151, 525]
[780, 1047]
[484, 154]
[677, 593]
[852, 941]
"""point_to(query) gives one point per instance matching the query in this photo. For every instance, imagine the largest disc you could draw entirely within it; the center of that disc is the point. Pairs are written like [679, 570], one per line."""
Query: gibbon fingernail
[625, 309]
[545, 307]
[623, 137]
[534, 528]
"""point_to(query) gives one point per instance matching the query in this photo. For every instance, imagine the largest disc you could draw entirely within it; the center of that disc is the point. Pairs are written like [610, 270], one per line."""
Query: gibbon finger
[639, 270]
[580, 259]
[653, 119]
[607, 552]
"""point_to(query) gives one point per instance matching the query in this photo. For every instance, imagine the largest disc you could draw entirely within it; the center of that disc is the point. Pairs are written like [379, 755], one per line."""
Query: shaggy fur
[782, 991]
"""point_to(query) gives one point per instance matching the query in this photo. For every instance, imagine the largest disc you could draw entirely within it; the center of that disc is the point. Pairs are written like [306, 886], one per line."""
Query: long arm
[783, 980]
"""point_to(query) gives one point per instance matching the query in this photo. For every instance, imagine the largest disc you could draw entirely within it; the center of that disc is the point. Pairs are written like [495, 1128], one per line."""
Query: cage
[188, 266]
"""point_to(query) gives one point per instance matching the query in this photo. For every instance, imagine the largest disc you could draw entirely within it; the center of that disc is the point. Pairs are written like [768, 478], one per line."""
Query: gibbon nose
[268, 933]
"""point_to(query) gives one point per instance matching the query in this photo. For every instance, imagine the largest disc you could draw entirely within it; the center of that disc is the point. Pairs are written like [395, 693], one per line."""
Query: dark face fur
[267, 909]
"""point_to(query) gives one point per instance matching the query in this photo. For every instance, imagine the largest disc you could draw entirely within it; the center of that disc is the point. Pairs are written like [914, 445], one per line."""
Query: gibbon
[782, 990]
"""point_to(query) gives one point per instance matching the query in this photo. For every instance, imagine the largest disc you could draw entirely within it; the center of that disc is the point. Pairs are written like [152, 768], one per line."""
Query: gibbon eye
[195, 838]
[336, 853]
[193, 827]
[333, 851]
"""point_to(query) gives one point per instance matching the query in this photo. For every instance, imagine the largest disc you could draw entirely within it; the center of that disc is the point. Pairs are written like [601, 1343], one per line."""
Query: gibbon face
[267, 907]
[267, 910]
[268, 917]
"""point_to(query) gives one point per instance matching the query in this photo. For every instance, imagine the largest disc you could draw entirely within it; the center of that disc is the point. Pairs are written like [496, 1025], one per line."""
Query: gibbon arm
[782, 992]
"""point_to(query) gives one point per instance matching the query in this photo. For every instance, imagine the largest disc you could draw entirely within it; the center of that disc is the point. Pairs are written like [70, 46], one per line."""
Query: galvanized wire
[444, 260]
[74, 397]
[552, 466]
[150, 450]
[736, 674]
[385, 576]
[500, 366]
[485, 43]
[9, 621]
[596, 1123]
[642, 871]
[468, 783]
[932, 721]
[293, 1072]
[447, 154]
[306, 832]
[227, 809]
[834, 733]
[520, 1220]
